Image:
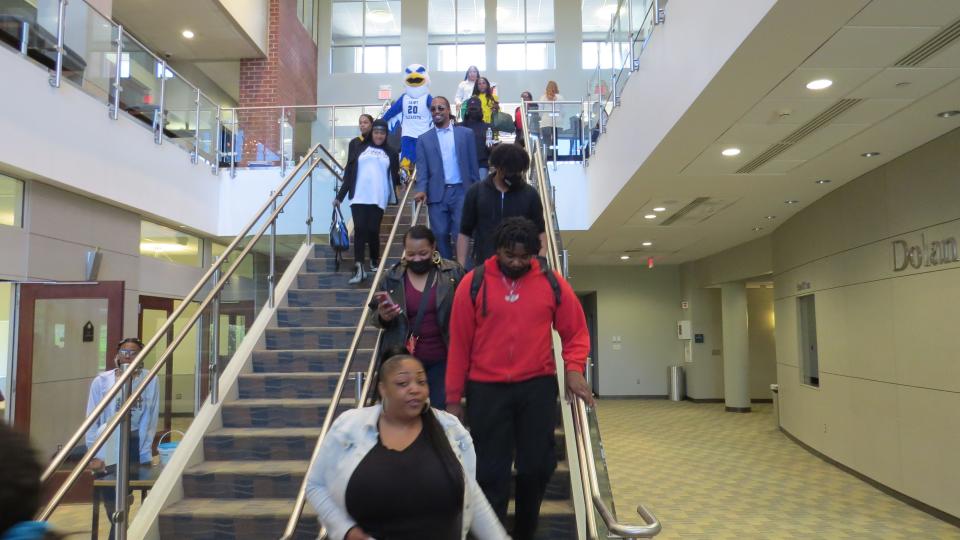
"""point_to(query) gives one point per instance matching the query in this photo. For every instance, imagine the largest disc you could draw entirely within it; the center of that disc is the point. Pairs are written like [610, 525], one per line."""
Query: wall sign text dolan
[934, 253]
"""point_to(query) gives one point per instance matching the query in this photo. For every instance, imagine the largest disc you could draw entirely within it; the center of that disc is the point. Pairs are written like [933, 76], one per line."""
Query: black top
[479, 128]
[404, 495]
[484, 207]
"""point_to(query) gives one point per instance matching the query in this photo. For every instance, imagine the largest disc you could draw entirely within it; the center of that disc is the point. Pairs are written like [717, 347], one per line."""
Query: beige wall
[642, 307]
[888, 404]
[762, 342]
[59, 227]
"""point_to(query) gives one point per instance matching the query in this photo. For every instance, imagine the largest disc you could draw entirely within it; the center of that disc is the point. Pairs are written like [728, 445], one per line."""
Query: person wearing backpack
[501, 358]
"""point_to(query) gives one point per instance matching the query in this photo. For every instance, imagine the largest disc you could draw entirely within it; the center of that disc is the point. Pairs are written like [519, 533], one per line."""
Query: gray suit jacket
[430, 175]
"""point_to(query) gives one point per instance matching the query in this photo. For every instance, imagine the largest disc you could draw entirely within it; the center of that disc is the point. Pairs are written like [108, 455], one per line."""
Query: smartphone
[383, 297]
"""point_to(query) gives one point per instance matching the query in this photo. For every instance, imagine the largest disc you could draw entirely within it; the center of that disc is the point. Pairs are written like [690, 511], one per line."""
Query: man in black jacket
[504, 193]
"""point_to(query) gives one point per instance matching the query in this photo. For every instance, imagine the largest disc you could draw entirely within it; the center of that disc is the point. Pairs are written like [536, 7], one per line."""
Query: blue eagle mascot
[412, 111]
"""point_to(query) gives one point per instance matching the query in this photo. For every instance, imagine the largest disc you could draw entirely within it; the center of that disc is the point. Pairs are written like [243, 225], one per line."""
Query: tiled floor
[712, 475]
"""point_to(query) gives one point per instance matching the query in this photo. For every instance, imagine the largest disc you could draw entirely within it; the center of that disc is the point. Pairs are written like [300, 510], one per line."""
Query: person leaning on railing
[400, 469]
[20, 489]
[421, 281]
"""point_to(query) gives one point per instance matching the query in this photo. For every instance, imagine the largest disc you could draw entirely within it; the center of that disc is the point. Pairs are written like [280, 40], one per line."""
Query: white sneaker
[359, 276]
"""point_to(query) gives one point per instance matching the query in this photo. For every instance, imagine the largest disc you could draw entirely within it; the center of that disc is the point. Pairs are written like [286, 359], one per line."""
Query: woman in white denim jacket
[405, 420]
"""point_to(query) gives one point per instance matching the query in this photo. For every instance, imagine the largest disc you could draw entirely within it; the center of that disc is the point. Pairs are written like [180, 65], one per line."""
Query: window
[809, 360]
[602, 53]
[455, 35]
[525, 31]
[11, 201]
[307, 13]
[169, 245]
[366, 36]
[597, 15]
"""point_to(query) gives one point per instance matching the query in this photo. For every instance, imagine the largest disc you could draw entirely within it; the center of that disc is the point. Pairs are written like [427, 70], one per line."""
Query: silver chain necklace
[512, 295]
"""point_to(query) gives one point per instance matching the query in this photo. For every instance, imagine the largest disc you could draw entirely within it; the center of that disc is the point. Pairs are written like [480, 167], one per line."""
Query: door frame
[160, 303]
[27, 295]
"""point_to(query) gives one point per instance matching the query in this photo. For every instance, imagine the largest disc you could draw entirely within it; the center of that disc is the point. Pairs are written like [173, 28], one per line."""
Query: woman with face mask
[400, 470]
[369, 179]
[413, 304]
[474, 121]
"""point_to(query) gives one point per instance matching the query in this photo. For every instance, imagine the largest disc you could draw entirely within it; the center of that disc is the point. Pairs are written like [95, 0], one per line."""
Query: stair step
[330, 280]
[318, 337]
[307, 360]
[245, 479]
[557, 520]
[239, 519]
[328, 297]
[292, 385]
[558, 488]
[324, 262]
[279, 412]
[293, 317]
[260, 444]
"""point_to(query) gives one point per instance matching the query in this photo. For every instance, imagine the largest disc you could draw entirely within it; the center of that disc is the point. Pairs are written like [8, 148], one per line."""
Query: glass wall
[455, 35]
[11, 201]
[525, 34]
[366, 36]
[169, 245]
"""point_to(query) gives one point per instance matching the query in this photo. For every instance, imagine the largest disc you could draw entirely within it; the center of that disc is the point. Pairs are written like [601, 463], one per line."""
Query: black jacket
[484, 207]
[356, 147]
[397, 330]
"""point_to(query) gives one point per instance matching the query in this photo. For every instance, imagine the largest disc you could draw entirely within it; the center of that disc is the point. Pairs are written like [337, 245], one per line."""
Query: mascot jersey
[413, 110]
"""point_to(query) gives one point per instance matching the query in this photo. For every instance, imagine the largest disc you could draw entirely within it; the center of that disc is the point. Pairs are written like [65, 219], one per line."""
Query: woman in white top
[465, 88]
[372, 171]
[548, 118]
[400, 470]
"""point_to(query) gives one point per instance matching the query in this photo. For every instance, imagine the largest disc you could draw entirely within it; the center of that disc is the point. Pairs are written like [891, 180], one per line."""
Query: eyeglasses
[437, 108]
[127, 352]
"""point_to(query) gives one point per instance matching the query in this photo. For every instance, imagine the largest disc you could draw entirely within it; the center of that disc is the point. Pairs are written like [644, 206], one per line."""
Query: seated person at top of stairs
[372, 171]
[400, 469]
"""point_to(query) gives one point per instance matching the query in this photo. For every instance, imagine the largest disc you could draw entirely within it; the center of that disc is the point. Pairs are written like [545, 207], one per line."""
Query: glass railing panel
[179, 111]
[139, 82]
[90, 49]
[228, 123]
[560, 128]
[207, 148]
[258, 137]
[600, 462]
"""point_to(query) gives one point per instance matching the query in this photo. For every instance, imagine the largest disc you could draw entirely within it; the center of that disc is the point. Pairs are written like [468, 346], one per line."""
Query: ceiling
[217, 36]
[789, 136]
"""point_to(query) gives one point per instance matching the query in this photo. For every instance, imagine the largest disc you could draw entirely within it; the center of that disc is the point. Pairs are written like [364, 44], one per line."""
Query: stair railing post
[234, 155]
[216, 143]
[310, 203]
[195, 156]
[283, 148]
[121, 502]
[273, 255]
[115, 106]
[358, 385]
[215, 342]
[160, 117]
[58, 70]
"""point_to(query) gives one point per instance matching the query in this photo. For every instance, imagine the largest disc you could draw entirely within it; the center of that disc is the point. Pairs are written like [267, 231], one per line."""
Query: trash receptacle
[676, 387]
[775, 391]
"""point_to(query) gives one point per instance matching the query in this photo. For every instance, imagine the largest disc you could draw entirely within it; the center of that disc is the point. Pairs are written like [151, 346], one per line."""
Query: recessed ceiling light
[624, 257]
[791, 201]
[948, 114]
[650, 216]
[659, 209]
[823, 181]
[819, 84]
[771, 217]
[187, 34]
[647, 244]
[379, 16]
[730, 152]
[756, 229]
[870, 154]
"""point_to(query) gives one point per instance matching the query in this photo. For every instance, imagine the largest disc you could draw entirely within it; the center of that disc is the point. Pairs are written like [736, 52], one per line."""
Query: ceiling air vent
[822, 119]
[931, 47]
[679, 214]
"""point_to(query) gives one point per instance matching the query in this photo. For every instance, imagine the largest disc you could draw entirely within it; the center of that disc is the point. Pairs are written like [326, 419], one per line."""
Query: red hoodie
[513, 342]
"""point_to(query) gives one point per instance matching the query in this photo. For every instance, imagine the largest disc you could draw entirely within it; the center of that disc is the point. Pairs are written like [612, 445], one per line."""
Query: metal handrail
[300, 502]
[269, 206]
[588, 472]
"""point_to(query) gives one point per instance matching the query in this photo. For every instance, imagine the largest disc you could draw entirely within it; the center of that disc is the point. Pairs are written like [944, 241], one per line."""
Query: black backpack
[477, 281]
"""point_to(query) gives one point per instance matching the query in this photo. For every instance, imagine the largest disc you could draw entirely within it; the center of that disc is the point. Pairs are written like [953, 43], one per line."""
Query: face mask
[420, 267]
[513, 181]
[512, 273]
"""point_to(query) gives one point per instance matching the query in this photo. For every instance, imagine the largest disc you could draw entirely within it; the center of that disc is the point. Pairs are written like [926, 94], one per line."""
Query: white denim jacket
[352, 436]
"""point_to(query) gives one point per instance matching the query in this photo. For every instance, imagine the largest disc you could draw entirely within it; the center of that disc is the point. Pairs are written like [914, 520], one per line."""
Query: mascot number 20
[413, 110]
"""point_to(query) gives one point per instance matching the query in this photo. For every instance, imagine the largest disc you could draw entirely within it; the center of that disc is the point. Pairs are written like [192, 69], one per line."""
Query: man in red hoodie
[501, 356]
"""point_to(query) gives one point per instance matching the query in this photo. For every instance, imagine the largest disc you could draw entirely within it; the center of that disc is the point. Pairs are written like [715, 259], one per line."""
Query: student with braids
[501, 357]
[399, 470]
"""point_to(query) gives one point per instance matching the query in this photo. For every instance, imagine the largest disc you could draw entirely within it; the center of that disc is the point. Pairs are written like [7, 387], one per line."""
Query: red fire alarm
[649, 262]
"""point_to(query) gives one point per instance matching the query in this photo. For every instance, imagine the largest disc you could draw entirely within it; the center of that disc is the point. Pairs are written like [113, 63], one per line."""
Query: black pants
[108, 495]
[366, 230]
[514, 418]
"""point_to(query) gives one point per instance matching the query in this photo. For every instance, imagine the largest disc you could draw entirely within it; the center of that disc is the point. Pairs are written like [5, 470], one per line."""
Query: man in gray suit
[446, 167]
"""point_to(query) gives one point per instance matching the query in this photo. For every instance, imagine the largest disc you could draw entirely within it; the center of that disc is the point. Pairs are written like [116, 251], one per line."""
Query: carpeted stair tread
[287, 402]
[264, 432]
[255, 508]
[250, 467]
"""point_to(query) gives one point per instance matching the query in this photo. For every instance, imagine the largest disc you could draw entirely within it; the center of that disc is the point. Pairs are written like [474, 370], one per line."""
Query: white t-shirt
[143, 415]
[373, 178]
[548, 118]
[464, 91]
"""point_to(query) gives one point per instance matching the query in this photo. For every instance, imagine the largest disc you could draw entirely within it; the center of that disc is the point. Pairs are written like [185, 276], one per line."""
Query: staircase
[253, 466]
